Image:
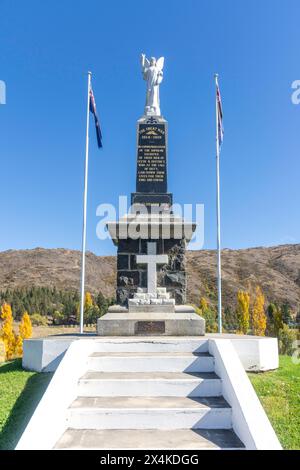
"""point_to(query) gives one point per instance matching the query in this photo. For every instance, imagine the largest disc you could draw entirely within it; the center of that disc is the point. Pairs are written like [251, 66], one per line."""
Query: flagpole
[85, 204]
[218, 217]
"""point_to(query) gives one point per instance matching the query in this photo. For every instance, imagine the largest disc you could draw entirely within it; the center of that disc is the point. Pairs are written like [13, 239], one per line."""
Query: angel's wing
[160, 63]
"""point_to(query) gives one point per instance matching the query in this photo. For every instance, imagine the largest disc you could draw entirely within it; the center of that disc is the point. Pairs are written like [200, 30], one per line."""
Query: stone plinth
[131, 235]
[149, 320]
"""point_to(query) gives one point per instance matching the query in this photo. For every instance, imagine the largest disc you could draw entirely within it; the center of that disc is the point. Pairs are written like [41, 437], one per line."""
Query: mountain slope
[276, 269]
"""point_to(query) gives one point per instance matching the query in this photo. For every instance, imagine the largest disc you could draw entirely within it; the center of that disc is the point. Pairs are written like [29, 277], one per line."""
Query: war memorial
[151, 240]
[150, 377]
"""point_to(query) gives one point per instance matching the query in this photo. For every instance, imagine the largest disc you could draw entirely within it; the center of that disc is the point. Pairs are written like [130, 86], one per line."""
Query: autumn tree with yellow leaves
[259, 318]
[7, 333]
[25, 332]
[14, 343]
[243, 311]
[88, 301]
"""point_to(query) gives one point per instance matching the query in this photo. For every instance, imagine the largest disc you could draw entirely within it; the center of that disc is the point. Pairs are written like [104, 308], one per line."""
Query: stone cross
[151, 260]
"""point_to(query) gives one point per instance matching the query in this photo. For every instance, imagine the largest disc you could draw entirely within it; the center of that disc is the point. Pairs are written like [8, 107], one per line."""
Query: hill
[276, 269]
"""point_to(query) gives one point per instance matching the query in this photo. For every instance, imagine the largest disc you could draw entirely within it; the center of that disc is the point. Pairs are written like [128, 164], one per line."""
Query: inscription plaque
[151, 158]
[149, 327]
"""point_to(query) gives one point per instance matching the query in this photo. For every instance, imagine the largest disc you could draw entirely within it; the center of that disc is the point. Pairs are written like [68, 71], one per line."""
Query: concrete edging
[249, 419]
[256, 353]
[48, 421]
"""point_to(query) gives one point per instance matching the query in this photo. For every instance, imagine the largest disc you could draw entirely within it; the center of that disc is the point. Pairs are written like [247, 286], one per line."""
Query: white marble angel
[153, 74]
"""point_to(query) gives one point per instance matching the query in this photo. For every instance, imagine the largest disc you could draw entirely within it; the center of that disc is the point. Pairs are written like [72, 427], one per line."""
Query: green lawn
[279, 393]
[20, 392]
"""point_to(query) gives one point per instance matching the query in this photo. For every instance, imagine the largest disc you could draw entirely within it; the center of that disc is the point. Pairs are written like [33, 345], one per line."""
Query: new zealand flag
[97, 122]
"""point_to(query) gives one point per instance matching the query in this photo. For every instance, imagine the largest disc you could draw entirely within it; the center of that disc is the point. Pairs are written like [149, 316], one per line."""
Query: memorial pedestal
[151, 241]
[151, 321]
[131, 235]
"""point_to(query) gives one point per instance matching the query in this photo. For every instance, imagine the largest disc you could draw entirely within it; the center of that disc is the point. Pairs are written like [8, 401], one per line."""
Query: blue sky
[47, 48]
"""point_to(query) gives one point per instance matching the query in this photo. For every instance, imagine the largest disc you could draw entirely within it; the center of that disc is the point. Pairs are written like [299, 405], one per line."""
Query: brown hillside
[276, 269]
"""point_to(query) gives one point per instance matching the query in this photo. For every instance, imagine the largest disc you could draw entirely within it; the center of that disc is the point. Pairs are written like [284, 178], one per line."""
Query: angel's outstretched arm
[144, 61]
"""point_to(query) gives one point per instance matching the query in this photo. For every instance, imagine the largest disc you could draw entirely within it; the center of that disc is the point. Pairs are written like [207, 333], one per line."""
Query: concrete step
[151, 362]
[151, 344]
[149, 413]
[151, 384]
[149, 439]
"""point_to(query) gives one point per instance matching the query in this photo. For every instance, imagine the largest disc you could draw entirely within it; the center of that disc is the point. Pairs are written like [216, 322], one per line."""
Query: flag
[97, 122]
[219, 114]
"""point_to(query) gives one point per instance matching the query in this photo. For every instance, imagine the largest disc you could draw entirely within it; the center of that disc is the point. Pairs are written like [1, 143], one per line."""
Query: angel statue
[153, 74]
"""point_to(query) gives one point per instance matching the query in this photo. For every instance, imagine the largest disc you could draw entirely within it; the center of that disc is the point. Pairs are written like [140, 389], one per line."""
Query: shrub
[38, 320]
[286, 339]
[58, 318]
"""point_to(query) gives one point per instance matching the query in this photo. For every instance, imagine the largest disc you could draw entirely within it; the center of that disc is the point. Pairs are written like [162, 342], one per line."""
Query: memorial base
[118, 321]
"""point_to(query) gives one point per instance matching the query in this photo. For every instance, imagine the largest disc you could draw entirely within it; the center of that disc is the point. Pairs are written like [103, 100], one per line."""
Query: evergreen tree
[274, 320]
[286, 314]
[230, 319]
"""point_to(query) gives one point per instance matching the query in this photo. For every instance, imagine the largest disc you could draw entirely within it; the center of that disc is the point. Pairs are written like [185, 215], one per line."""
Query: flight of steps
[150, 393]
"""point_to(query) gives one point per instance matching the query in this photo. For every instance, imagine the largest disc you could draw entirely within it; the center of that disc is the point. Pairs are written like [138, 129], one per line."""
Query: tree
[88, 301]
[230, 319]
[25, 332]
[25, 328]
[286, 314]
[7, 333]
[210, 316]
[274, 322]
[203, 304]
[259, 319]
[243, 314]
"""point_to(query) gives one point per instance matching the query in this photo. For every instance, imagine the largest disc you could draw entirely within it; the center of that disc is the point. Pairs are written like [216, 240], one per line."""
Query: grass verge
[20, 392]
[279, 393]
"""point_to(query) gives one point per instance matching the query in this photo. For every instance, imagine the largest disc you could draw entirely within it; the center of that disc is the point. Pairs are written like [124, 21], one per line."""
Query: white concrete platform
[179, 404]
[44, 354]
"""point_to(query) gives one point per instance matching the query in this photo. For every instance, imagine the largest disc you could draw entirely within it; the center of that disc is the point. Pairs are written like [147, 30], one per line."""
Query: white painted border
[257, 353]
[49, 422]
[249, 419]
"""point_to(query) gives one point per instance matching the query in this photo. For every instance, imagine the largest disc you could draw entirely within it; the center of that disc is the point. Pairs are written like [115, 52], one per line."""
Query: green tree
[230, 319]
[209, 314]
[274, 320]
[286, 314]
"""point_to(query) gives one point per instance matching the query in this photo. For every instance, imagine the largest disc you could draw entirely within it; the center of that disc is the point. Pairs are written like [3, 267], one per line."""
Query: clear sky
[48, 46]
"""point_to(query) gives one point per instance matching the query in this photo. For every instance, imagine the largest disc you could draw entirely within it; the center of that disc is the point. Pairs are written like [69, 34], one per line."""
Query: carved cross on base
[151, 260]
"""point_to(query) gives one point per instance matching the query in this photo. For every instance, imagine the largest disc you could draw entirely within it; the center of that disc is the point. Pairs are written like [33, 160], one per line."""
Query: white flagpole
[86, 166]
[218, 216]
